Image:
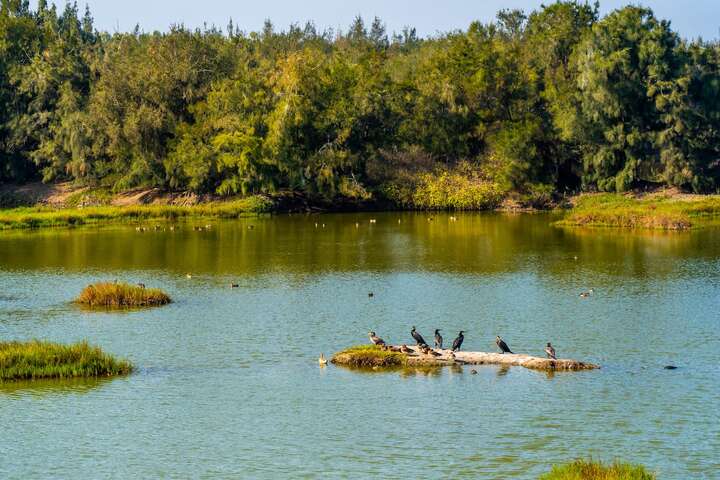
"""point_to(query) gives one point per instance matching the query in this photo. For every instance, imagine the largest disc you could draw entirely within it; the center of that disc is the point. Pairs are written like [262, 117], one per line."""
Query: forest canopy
[550, 101]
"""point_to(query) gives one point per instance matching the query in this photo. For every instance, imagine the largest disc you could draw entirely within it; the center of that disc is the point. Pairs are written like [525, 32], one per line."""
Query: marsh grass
[664, 212]
[39, 360]
[38, 217]
[368, 356]
[121, 295]
[591, 470]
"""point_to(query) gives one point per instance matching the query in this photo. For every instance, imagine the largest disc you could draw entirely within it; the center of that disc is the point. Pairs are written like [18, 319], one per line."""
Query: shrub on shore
[121, 295]
[591, 470]
[369, 356]
[38, 360]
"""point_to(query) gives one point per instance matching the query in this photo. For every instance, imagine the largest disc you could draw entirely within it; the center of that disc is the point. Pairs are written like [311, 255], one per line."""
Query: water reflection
[45, 387]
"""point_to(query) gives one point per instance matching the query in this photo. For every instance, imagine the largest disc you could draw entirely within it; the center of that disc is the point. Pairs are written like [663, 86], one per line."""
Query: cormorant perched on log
[550, 351]
[458, 341]
[502, 345]
[438, 339]
[418, 338]
[375, 339]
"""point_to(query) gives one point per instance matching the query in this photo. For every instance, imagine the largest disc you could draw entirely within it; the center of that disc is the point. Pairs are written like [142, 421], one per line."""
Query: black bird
[371, 294]
[438, 339]
[502, 345]
[375, 339]
[550, 351]
[418, 338]
[141, 285]
[458, 341]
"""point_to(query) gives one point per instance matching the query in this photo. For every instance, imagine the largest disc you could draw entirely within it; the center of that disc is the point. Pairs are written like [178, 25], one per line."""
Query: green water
[228, 384]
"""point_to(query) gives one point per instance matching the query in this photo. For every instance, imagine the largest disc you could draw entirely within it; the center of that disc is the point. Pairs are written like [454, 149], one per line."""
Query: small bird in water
[438, 339]
[458, 341]
[322, 360]
[586, 294]
[234, 285]
[550, 351]
[375, 339]
[473, 371]
[418, 338]
[371, 294]
[187, 275]
[502, 345]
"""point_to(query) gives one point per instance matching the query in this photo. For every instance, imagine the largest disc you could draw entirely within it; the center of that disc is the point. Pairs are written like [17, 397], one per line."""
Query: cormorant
[438, 339]
[375, 339]
[322, 360]
[418, 338]
[550, 351]
[458, 341]
[502, 345]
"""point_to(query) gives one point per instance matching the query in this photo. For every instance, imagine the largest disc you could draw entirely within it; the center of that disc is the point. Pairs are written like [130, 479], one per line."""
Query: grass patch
[365, 356]
[665, 212]
[590, 470]
[121, 295]
[37, 360]
[38, 217]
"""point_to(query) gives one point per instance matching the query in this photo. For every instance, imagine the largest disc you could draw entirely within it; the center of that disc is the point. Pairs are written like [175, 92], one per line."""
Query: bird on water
[458, 341]
[550, 350]
[375, 339]
[438, 339]
[418, 338]
[502, 345]
[586, 294]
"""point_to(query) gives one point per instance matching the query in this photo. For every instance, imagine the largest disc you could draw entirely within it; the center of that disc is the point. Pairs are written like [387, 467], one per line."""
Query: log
[416, 358]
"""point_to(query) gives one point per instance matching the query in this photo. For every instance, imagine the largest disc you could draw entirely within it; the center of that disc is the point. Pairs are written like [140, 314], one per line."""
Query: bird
[458, 341]
[375, 339]
[322, 360]
[404, 349]
[418, 338]
[502, 345]
[372, 220]
[473, 371]
[438, 339]
[550, 351]
[432, 352]
[234, 285]
[187, 275]
[141, 285]
[251, 227]
[586, 294]
[371, 294]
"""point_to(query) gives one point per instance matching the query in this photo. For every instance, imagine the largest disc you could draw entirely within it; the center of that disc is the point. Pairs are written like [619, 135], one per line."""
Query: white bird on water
[322, 360]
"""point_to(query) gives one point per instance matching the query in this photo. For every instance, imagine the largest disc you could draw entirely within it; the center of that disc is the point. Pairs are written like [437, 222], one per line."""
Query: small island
[121, 295]
[36, 360]
[373, 356]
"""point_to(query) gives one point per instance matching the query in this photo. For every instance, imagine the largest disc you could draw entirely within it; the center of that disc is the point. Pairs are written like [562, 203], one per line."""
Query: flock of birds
[424, 347]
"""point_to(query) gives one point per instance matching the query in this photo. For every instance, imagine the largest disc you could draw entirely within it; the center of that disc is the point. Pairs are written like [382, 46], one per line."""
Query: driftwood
[417, 358]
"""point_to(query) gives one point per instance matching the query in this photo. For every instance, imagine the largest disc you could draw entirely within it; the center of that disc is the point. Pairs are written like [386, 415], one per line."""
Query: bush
[37, 360]
[121, 295]
[369, 356]
[590, 470]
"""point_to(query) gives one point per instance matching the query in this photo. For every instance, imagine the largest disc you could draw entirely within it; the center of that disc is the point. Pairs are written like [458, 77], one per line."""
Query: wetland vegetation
[593, 470]
[121, 295]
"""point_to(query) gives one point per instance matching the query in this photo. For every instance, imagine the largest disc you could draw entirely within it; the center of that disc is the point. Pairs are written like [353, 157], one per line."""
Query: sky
[691, 18]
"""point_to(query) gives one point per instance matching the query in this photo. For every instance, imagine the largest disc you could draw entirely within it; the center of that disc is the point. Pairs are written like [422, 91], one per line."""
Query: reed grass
[369, 356]
[592, 470]
[651, 212]
[121, 295]
[38, 360]
[39, 217]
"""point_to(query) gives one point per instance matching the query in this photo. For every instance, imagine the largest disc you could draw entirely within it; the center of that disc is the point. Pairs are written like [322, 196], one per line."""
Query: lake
[228, 384]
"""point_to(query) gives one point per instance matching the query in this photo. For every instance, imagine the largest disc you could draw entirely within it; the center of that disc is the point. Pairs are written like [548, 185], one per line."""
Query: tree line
[555, 100]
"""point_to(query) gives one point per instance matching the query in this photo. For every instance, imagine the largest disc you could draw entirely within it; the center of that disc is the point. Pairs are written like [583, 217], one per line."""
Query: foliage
[369, 356]
[658, 211]
[591, 470]
[37, 360]
[556, 98]
[35, 217]
[121, 295]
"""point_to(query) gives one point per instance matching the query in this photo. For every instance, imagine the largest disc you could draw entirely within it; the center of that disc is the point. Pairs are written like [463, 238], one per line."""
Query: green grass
[663, 212]
[590, 470]
[37, 360]
[369, 356]
[121, 295]
[39, 217]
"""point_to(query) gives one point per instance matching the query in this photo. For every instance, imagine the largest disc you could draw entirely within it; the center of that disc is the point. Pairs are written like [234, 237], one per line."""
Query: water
[228, 384]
